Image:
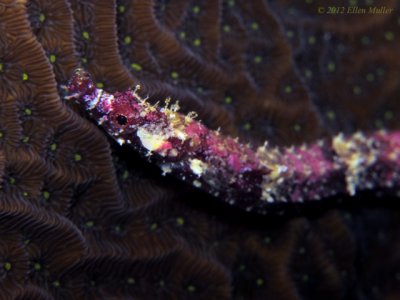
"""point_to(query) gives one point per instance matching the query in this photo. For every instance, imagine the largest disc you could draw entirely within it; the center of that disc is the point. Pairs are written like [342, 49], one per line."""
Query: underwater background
[84, 218]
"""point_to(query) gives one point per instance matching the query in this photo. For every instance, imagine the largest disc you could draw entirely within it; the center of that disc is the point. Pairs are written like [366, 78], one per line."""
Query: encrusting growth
[221, 165]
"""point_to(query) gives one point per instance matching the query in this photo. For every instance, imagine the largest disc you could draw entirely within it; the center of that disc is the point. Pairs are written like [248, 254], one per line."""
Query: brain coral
[83, 218]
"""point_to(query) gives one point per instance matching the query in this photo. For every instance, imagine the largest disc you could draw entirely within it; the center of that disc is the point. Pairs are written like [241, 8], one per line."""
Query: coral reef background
[82, 218]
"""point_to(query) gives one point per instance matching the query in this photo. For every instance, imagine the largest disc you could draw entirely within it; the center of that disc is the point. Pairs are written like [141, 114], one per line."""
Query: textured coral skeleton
[239, 174]
[82, 217]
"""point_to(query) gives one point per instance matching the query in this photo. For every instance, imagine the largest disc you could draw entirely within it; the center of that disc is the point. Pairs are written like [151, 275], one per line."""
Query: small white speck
[197, 183]
[166, 169]
[101, 120]
[94, 102]
[197, 166]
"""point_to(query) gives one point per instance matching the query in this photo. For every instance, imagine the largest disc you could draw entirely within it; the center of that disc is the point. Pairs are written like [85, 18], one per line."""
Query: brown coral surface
[83, 218]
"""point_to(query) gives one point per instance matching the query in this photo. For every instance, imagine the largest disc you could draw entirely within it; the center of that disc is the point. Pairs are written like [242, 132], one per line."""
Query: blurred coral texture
[83, 218]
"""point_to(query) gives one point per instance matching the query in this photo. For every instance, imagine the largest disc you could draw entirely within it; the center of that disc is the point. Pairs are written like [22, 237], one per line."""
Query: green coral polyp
[7, 266]
[182, 35]
[86, 35]
[260, 282]
[297, 127]
[365, 40]
[153, 226]
[290, 34]
[42, 17]
[370, 77]
[46, 195]
[52, 58]
[389, 35]
[254, 26]
[228, 100]
[308, 73]
[191, 288]
[125, 175]
[258, 59]
[180, 221]
[27, 111]
[380, 72]
[197, 42]
[37, 266]
[331, 67]
[127, 40]
[267, 240]
[196, 9]
[89, 224]
[174, 75]
[331, 115]
[121, 9]
[226, 28]
[305, 278]
[288, 89]
[357, 90]
[25, 76]
[117, 229]
[388, 115]
[136, 67]
[247, 126]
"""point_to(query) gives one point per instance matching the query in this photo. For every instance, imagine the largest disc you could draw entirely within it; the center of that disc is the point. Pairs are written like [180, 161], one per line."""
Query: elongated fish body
[235, 172]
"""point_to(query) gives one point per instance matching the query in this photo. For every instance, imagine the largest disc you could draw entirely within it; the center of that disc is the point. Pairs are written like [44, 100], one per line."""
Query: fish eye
[122, 120]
